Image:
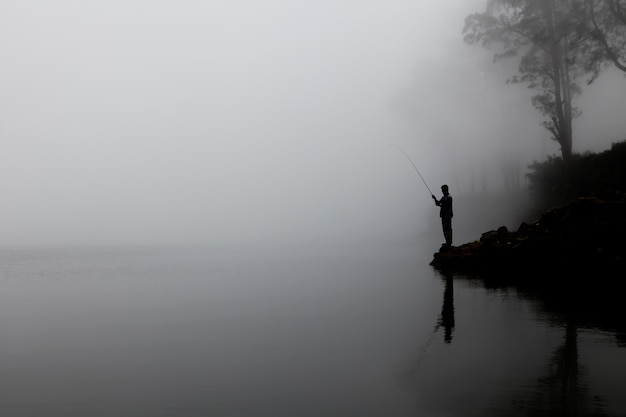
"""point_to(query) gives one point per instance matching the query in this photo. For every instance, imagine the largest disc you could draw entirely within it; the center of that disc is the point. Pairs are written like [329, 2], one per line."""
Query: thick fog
[136, 121]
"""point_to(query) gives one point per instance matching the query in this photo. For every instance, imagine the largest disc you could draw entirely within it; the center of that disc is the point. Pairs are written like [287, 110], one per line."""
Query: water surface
[332, 331]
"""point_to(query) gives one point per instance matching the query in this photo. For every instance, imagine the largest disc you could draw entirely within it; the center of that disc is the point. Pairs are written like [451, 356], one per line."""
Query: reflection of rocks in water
[568, 293]
[561, 387]
[564, 389]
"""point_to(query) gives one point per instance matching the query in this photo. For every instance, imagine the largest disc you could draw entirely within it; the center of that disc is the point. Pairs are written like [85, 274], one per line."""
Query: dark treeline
[575, 233]
[556, 181]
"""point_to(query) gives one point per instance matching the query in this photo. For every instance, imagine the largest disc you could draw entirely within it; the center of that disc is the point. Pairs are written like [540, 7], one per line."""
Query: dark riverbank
[572, 258]
[586, 234]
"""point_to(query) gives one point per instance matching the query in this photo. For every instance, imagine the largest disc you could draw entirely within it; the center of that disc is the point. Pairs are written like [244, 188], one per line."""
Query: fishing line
[424, 348]
[414, 167]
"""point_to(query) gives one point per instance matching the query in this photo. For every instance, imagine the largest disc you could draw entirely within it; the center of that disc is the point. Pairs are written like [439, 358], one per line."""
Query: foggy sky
[136, 121]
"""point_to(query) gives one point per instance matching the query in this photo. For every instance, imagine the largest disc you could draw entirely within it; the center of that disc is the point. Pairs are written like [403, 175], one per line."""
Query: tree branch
[599, 35]
[617, 10]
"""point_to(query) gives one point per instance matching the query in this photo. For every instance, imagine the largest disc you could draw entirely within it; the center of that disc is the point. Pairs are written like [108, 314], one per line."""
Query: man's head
[444, 189]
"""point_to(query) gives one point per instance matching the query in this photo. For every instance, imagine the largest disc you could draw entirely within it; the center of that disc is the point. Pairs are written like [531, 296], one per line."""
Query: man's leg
[447, 230]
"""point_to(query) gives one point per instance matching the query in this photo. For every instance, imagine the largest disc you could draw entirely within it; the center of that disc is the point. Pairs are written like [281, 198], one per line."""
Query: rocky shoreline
[586, 235]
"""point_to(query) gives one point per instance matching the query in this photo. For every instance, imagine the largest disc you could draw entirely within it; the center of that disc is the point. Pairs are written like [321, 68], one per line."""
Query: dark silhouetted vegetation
[556, 181]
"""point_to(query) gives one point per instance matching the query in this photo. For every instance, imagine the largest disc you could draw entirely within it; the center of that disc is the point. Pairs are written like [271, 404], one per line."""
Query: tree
[607, 44]
[547, 35]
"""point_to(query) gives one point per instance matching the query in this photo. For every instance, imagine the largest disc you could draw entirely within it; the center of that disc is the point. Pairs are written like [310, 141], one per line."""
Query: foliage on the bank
[556, 181]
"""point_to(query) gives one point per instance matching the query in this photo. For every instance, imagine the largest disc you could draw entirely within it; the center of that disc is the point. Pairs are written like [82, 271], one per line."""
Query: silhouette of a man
[445, 212]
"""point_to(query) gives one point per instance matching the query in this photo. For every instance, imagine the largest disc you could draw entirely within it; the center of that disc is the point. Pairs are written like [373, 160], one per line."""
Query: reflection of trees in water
[563, 390]
[572, 304]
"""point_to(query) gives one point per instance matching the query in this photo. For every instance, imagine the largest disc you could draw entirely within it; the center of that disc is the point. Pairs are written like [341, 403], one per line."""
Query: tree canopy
[557, 43]
[544, 33]
[607, 43]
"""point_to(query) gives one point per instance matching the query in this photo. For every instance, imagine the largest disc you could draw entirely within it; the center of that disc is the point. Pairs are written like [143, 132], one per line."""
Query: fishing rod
[414, 167]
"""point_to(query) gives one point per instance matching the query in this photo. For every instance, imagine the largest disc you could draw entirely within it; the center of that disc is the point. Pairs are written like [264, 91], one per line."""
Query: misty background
[228, 121]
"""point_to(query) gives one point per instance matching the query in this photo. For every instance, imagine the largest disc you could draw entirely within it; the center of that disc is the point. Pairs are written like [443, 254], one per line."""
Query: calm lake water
[332, 331]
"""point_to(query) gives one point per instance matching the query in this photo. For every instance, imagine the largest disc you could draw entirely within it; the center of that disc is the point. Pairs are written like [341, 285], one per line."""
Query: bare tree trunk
[566, 142]
[560, 77]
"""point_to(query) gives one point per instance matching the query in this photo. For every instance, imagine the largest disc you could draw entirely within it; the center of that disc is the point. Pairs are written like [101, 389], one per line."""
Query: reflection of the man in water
[446, 318]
